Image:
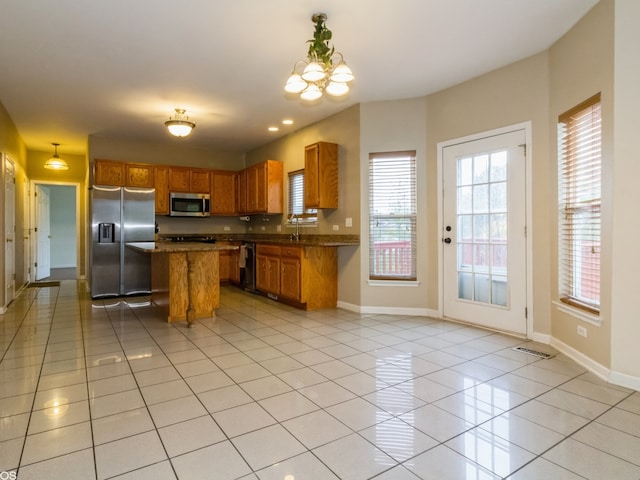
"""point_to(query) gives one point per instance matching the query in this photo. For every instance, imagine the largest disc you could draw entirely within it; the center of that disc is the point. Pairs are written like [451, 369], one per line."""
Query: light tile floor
[107, 389]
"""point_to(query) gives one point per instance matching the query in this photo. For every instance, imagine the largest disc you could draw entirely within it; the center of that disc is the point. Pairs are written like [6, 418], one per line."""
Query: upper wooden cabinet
[265, 187]
[161, 184]
[223, 192]
[185, 179]
[139, 175]
[241, 191]
[200, 181]
[321, 175]
[106, 172]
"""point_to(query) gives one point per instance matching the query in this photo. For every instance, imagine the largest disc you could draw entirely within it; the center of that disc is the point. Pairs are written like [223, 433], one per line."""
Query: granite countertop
[280, 239]
[168, 247]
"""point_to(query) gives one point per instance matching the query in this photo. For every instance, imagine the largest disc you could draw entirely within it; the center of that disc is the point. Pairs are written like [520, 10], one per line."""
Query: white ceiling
[118, 68]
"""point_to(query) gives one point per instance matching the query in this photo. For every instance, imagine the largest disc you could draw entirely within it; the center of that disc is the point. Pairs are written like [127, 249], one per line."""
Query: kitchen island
[185, 278]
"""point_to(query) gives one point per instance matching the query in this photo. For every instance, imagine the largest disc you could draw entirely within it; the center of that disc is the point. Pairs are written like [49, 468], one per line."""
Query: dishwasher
[248, 272]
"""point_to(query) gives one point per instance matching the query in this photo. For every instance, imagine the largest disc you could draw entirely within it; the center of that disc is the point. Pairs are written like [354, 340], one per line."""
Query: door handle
[9, 240]
[447, 240]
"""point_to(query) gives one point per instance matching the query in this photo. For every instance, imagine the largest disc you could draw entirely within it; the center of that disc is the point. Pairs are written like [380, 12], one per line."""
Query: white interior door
[484, 234]
[10, 230]
[43, 233]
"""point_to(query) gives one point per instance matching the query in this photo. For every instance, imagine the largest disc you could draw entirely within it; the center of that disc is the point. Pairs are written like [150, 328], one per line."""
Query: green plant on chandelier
[319, 47]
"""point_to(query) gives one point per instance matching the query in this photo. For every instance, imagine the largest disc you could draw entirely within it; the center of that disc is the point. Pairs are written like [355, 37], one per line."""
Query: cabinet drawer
[269, 250]
[291, 252]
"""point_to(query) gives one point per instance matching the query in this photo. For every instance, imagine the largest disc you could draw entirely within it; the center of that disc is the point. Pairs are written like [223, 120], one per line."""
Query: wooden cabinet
[264, 186]
[321, 175]
[107, 172]
[161, 184]
[241, 192]
[229, 264]
[290, 273]
[303, 276]
[139, 175]
[257, 189]
[223, 192]
[179, 179]
[190, 180]
[268, 269]
[200, 181]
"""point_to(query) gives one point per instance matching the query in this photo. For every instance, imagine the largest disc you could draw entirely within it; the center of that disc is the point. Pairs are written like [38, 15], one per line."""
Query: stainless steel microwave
[189, 204]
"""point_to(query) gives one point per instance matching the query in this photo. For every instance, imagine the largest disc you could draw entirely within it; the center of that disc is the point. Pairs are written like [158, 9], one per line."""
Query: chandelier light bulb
[337, 89]
[313, 72]
[295, 84]
[342, 73]
[55, 162]
[311, 93]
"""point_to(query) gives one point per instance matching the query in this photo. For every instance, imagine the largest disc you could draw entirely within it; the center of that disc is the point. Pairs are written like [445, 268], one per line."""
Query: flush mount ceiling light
[179, 125]
[324, 70]
[55, 162]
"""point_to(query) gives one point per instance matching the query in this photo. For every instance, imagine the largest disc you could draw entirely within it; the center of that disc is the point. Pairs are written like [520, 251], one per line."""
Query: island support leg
[191, 281]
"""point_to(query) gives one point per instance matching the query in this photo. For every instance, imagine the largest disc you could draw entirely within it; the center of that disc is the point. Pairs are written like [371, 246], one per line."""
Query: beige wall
[625, 308]
[393, 126]
[343, 129]
[511, 95]
[12, 145]
[581, 65]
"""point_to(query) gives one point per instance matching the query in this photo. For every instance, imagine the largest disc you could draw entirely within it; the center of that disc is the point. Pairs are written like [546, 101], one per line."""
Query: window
[392, 216]
[579, 162]
[296, 199]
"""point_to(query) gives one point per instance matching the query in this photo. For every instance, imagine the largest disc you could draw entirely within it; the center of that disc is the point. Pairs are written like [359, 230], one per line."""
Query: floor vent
[54, 283]
[535, 353]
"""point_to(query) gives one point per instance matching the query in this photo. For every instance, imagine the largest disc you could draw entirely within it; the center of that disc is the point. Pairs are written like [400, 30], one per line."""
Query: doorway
[56, 231]
[484, 240]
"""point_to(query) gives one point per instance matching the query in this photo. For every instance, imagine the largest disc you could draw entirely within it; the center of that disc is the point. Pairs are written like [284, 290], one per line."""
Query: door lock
[447, 240]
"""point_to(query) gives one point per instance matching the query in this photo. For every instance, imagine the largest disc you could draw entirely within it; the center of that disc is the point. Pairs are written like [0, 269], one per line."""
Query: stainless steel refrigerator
[120, 215]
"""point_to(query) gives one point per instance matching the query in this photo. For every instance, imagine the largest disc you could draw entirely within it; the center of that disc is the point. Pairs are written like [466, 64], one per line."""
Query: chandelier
[55, 162]
[179, 125]
[324, 70]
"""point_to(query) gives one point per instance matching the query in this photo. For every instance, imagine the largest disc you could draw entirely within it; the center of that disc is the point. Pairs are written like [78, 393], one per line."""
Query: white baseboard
[419, 312]
[581, 359]
[624, 380]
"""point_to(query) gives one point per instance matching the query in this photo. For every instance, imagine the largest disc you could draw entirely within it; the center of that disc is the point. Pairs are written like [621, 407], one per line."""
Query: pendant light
[324, 70]
[55, 162]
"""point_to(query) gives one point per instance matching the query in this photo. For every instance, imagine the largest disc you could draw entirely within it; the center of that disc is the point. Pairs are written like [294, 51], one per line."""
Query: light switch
[348, 222]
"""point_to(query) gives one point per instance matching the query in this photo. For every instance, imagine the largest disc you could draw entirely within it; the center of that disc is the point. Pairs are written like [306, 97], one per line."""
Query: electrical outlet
[336, 227]
[348, 222]
[263, 228]
[582, 331]
[227, 229]
[278, 228]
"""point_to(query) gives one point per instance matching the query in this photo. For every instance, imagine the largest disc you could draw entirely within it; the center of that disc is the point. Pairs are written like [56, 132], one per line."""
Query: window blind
[392, 216]
[296, 199]
[580, 161]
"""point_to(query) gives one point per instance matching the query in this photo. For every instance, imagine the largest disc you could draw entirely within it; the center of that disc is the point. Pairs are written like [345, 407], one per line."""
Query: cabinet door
[223, 193]
[321, 175]
[200, 180]
[273, 274]
[161, 184]
[179, 179]
[241, 192]
[262, 278]
[224, 262]
[252, 189]
[108, 173]
[290, 285]
[138, 175]
[311, 174]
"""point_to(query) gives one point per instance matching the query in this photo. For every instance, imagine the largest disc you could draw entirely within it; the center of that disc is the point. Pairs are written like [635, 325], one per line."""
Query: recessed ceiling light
[273, 129]
[287, 121]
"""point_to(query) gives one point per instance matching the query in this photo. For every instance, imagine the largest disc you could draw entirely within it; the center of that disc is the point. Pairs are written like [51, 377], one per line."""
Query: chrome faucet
[295, 236]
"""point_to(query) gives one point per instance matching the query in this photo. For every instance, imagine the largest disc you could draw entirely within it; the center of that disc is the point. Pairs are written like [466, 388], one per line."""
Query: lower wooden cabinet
[230, 264]
[301, 275]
